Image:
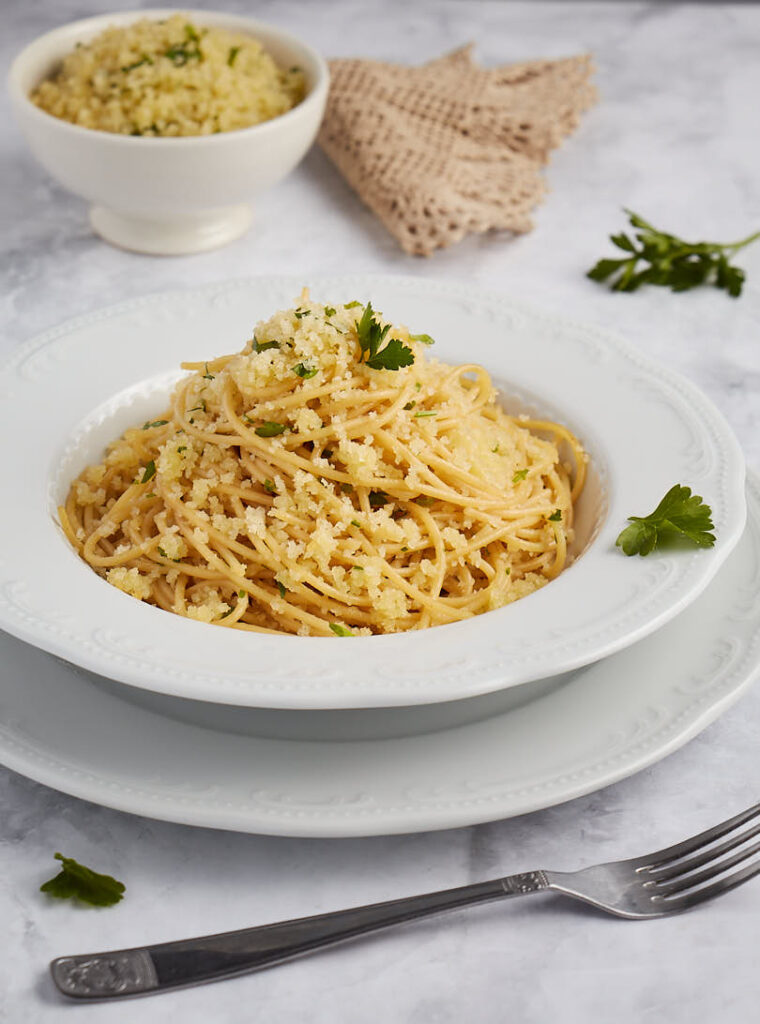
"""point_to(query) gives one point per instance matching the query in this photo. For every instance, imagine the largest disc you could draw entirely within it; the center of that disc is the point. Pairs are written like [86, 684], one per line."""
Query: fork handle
[207, 958]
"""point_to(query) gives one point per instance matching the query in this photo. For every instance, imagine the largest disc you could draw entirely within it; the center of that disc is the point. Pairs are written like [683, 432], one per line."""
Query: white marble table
[673, 137]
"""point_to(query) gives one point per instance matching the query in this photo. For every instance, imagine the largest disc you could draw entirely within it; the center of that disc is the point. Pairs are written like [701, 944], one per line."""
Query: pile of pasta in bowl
[330, 479]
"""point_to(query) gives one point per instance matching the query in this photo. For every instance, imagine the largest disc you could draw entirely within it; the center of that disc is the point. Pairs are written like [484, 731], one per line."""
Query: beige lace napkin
[450, 148]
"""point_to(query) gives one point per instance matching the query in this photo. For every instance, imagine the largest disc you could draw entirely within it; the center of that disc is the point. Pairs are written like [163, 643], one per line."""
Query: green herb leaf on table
[679, 514]
[75, 881]
[669, 261]
[371, 336]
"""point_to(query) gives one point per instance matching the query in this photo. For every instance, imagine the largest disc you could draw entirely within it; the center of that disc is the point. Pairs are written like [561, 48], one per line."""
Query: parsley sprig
[679, 514]
[75, 881]
[670, 261]
[371, 334]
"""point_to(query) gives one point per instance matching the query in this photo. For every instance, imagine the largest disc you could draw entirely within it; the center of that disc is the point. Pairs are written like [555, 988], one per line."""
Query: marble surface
[674, 138]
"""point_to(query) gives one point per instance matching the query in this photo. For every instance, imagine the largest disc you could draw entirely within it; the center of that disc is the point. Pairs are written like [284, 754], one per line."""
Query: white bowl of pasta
[330, 481]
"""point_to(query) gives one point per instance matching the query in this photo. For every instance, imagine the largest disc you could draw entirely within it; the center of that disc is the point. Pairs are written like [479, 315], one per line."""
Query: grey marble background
[675, 138]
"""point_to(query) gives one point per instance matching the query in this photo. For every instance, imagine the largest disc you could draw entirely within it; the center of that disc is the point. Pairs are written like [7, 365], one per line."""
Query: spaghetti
[309, 485]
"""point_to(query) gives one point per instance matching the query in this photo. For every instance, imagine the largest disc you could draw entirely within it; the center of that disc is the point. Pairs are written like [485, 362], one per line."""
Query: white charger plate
[609, 720]
[78, 386]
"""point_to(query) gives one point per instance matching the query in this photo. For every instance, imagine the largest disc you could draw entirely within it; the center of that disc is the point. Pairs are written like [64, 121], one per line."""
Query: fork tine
[691, 899]
[660, 857]
[681, 867]
[716, 868]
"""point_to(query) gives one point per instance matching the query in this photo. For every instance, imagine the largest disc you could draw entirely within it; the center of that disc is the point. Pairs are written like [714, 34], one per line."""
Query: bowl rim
[548, 634]
[315, 97]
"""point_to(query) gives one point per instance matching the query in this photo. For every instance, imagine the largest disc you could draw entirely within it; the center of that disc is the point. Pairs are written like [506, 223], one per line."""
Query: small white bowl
[168, 196]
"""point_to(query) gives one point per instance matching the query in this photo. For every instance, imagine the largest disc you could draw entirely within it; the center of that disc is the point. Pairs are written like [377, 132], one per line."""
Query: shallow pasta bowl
[168, 196]
[644, 427]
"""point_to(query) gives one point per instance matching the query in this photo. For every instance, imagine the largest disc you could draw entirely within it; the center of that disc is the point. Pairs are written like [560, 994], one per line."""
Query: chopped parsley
[556, 516]
[207, 375]
[75, 881]
[371, 336]
[154, 423]
[241, 593]
[269, 486]
[269, 429]
[329, 311]
[201, 405]
[163, 554]
[351, 305]
[377, 499]
[425, 500]
[262, 346]
[422, 415]
[424, 338]
[181, 53]
[305, 372]
[145, 59]
[520, 474]
[281, 588]
[339, 630]
[409, 405]
[301, 313]
[234, 51]
[679, 514]
[356, 523]
[150, 472]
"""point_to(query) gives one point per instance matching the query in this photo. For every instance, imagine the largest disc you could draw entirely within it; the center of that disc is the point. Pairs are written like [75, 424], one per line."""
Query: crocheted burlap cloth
[450, 148]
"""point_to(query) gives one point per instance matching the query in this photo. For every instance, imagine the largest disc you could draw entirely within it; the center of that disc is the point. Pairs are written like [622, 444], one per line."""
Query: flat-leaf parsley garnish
[371, 335]
[679, 514]
[150, 472]
[270, 429]
[670, 261]
[75, 881]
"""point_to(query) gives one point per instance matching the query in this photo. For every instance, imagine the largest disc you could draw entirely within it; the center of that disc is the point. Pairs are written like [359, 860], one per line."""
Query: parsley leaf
[378, 498]
[669, 261]
[301, 313]
[329, 311]
[351, 305]
[234, 51]
[269, 486]
[424, 338]
[305, 372]
[339, 630]
[150, 472]
[519, 475]
[371, 335]
[679, 514]
[155, 423]
[75, 881]
[281, 588]
[556, 516]
[269, 429]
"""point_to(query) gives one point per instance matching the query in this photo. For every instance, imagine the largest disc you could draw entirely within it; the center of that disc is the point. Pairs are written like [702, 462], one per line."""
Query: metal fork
[658, 884]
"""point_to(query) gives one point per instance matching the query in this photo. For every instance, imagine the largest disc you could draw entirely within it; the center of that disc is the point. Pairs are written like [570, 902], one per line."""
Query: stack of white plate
[613, 665]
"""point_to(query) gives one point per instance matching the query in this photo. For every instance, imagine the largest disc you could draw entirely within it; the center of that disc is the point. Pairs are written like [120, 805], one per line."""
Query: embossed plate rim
[602, 603]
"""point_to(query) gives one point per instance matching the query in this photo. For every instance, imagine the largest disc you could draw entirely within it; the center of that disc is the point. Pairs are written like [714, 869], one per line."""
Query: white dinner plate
[98, 741]
[68, 392]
